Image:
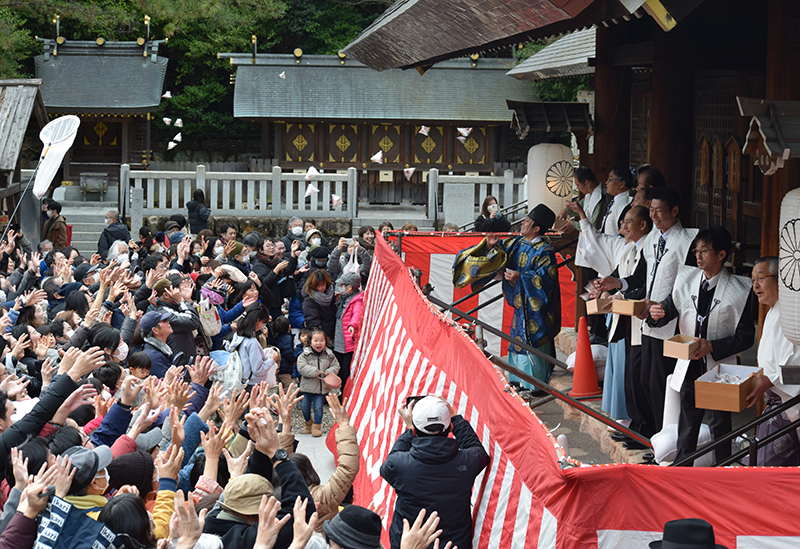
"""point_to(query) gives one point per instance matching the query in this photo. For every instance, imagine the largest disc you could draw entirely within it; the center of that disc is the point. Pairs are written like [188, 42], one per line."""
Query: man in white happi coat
[618, 186]
[665, 250]
[774, 351]
[714, 306]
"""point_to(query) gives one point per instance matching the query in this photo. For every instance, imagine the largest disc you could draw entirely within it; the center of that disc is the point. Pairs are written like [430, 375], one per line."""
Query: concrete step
[74, 194]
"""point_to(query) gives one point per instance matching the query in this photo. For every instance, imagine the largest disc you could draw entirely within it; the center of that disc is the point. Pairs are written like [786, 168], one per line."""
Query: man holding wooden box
[665, 250]
[714, 306]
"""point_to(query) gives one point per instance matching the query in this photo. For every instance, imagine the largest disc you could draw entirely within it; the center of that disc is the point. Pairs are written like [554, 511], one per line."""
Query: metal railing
[754, 443]
[510, 212]
[551, 391]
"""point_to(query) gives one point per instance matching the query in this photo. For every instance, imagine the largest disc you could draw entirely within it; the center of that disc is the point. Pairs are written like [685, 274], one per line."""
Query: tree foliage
[553, 89]
[196, 31]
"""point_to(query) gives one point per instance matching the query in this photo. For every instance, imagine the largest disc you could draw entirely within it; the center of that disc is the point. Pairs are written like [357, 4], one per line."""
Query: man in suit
[665, 250]
[713, 305]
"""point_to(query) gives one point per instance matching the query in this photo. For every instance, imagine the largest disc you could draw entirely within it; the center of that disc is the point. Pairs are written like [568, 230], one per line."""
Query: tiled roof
[19, 100]
[421, 33]
[83, 77]
[324, 88]
[567, 56]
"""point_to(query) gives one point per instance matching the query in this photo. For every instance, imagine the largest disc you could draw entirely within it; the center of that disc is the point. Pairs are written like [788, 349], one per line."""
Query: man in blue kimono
[530, 285]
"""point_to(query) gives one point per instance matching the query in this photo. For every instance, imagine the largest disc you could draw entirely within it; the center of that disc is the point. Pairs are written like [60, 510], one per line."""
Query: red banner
[524, 498]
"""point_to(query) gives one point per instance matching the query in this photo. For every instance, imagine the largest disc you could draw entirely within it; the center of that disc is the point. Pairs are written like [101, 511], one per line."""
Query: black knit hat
[318, 252]
[542, 216]
[135, 469]
[355, 528]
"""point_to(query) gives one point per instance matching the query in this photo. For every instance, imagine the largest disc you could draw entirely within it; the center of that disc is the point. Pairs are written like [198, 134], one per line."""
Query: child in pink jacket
[348, 322]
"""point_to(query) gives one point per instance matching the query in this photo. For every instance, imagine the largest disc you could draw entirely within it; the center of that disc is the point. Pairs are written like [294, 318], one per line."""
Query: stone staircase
[374, 215]
[87, 218]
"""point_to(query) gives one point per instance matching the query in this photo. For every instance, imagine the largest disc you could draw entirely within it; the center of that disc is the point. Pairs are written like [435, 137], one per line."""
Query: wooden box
[627, 307]
[595, 306]
[681, 346]
[725, 397]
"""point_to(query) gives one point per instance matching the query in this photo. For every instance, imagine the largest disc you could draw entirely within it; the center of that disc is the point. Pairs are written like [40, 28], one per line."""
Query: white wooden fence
[239, 194]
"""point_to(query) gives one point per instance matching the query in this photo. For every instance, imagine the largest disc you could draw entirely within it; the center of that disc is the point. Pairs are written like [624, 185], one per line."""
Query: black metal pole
[482, 305]
[539, 384]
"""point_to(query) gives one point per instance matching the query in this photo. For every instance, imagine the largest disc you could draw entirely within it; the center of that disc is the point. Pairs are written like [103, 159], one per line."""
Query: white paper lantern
[789, 266]
[550, 175]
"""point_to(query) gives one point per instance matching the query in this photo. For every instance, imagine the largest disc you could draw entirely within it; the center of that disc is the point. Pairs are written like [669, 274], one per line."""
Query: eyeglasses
[698, 251]
[761, 279]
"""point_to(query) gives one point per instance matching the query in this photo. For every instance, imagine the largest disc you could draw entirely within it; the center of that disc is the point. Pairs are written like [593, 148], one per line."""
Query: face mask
[316, 241]
[297, 231]
[245, 259]
[321, 262]
[106, 221]
[121, 353]
[218, 250]
[50, 213]
[122, 257]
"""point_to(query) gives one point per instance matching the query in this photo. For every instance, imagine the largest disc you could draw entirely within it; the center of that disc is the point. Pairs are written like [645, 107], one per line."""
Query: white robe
[611, 225]
[774, 351]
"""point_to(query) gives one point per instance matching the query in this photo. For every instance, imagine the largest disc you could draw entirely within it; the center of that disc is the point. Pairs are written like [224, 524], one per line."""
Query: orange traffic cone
[584, 377]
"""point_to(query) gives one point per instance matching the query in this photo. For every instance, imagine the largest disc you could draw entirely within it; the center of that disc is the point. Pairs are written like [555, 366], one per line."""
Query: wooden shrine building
[114, 87]
[667, 75]
[333, 112]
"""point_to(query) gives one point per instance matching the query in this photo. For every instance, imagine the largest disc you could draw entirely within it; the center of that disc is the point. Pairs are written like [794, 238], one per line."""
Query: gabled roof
[113, 78]
[567, 56]
[19, 100]
[773, 136]
[321, 87]
[420, 33]
[550, 116]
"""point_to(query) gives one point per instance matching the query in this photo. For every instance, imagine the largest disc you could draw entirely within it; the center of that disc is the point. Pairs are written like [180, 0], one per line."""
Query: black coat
[184, 320]
[112, 233]
[436, 473]
[497, 225]
[243, 536]
[198, 216]
[323, 316]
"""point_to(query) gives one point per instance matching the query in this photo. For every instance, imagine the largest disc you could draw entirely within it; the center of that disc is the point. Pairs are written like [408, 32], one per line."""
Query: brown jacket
[55, 230]
[328, 497]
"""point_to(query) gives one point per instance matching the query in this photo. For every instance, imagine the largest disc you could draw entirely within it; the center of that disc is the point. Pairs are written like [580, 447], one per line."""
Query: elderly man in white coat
[774, 351]
[618, 190]
[714, 306]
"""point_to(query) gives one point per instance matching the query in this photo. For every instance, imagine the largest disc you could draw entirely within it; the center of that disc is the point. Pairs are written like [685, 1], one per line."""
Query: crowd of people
[149, 386]
[633, 246]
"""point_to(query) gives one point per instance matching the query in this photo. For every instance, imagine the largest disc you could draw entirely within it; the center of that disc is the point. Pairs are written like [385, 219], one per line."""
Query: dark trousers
[634, 390]
[345, 359]
[595, 323]
[691, 419]
[655, 369]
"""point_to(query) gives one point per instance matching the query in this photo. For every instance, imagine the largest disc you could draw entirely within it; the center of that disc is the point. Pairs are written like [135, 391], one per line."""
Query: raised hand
[64, 476]
[237, 466]
[212, 403]
[302, 529]
[338, 410]
[279, 268]
[202, 370]
[169, 463]
[285, 403]
[179, 393]
[214, 441]
[86, 362]
[268, 525]
[234, 409]
[130, 390]
[176, 422]
[20, 467]
[189, 525]
[262, 430]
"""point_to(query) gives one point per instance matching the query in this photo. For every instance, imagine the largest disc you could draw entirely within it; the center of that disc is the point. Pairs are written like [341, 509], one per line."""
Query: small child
[316, 362]
[283, 339]
[139, 365]
[304, 341]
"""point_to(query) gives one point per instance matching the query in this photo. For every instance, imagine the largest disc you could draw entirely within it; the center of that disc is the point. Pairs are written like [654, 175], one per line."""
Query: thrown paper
[464, 131]
[167, 95]
[179, 123]
[167, 121]
[311, 174]
[377, 157]
[336, 200]
[178, 137]
[171, 145]
[424, 130]
[311, 189]
[283, 75]
[408, 172]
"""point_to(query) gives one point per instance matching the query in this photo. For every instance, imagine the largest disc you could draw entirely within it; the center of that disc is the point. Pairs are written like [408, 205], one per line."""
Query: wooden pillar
[265, 139]
[612, 105]
[783, 83]
[671, 130]
[124, 140]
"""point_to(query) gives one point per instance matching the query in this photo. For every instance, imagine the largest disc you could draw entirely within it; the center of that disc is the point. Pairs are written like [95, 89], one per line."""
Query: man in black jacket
[114, 231]
[431, 471]
[235, 518]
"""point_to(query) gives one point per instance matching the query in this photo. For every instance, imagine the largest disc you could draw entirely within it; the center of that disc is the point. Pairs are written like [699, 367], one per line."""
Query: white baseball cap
[428, 412]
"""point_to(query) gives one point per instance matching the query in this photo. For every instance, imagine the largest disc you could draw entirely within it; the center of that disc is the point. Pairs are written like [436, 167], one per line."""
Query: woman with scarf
[319, 306]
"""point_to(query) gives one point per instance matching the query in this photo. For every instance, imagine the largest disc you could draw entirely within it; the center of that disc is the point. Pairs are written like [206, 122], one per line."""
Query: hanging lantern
[789, 266]
[550, 175]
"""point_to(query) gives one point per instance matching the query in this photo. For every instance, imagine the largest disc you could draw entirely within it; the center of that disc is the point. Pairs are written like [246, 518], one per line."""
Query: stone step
[73, 194]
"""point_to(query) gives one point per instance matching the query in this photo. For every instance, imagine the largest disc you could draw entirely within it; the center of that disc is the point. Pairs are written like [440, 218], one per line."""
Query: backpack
[230, 370]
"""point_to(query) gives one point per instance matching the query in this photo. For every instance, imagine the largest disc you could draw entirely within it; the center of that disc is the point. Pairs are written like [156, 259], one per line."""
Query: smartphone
[412, 399]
